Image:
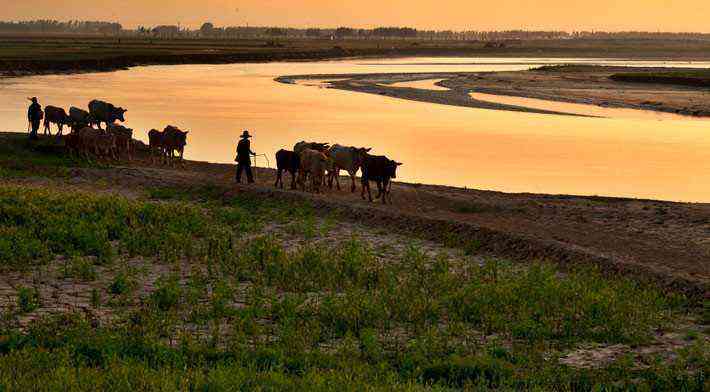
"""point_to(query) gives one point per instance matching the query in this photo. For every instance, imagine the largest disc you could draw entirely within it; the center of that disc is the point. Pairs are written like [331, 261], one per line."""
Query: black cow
[290, 162]
[381, 170]
[105, 112]
[80, 118]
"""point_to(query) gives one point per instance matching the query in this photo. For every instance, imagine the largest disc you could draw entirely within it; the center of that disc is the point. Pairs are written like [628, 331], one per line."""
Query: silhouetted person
[244, 154]
[34, 116]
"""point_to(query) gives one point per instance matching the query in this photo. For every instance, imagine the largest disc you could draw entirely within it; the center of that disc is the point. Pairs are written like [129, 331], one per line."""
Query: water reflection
[439, 144]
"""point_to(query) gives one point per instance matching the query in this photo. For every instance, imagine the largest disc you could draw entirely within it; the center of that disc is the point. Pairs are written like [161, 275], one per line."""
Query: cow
[321, 147]
[381, 170]
[89, 141]
[55, 115]
[123, 138]
[105, 112]
[79, 118]
[300, 146]
[290, 162]
[155, 143]
[71, 143]
[174, 140]
[345, 158]
[313, 163]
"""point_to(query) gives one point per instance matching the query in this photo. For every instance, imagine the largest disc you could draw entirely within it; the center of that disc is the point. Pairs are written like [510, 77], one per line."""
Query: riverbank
[663, 242]
[578, 84]
[22, 55]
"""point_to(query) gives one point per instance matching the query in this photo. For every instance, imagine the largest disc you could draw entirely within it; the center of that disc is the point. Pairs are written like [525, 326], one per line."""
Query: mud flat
[578, 84]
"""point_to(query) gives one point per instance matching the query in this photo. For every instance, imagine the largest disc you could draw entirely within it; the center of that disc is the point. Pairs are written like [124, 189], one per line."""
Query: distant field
[26, 54]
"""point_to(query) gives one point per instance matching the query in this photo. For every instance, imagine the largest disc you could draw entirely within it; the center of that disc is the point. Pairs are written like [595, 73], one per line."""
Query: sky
[569, 15]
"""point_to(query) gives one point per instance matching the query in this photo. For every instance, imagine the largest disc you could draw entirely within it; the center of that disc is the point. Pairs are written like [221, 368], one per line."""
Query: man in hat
[34, 116]
[244, 154]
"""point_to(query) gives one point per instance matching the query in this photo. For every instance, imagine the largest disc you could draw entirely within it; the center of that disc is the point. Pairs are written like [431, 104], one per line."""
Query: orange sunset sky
[649, 15]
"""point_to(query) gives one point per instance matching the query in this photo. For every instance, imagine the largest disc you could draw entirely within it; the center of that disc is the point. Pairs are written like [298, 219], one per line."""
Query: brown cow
[79, 118]
[55, 115]
[124, 139]
[313, 164]
[89, 141]
[345, 158]
[174, 140]
[155, 143]
[300, 146]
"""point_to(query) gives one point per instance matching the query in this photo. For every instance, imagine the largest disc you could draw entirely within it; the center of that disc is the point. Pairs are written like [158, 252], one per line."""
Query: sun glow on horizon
[612, 15]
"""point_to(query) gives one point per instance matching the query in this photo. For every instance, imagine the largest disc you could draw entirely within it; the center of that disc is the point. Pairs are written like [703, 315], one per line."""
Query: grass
[238, 307]
[27, 299]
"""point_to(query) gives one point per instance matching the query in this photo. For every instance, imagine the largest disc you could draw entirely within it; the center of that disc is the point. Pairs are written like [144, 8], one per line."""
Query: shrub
[168, 293]
[28, 299]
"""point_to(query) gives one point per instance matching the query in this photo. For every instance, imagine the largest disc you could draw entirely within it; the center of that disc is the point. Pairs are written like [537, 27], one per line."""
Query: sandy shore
[576, 84]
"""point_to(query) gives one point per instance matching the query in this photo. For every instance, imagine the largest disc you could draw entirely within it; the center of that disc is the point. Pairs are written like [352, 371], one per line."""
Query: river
[505, 151]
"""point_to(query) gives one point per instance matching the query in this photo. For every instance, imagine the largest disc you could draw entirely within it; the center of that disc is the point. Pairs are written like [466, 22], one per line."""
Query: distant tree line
[54, 26]
[209, 30]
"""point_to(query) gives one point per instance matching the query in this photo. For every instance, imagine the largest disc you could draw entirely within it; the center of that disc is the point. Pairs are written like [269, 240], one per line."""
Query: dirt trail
[669, 242]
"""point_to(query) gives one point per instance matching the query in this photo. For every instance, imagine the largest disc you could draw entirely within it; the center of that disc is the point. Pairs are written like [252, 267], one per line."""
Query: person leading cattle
[244, 154]
[34, 117]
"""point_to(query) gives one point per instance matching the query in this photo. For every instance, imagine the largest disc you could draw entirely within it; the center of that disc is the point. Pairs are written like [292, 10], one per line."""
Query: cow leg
[335, 177]
[300, 180]
[366, 186]
[385, 183]
[279, 173]
[352, 180]
[293, 180]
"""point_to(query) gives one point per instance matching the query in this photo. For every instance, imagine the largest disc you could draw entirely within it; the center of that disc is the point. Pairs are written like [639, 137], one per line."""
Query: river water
[660, 158]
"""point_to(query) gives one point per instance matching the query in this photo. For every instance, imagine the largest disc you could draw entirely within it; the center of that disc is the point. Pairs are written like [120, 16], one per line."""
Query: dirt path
[669, 242]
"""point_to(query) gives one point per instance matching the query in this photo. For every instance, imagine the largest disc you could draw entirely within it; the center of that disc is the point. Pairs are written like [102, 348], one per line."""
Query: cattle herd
[116, 141]
[322, 163]
[311, 165]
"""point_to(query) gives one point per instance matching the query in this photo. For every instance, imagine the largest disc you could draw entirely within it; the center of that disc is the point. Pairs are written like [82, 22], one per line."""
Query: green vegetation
[27, 299]
[240, 307]
[21, 158]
